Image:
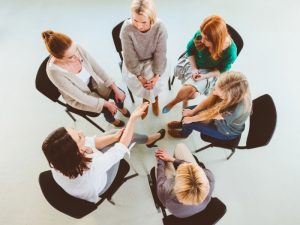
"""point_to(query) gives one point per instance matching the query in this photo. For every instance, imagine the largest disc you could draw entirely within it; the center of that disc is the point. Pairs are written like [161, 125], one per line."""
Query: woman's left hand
[119, 95]
[152, 82]
[118, 134]
[187, 120]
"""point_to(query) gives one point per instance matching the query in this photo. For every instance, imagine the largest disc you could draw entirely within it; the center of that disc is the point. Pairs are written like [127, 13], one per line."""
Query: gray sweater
[168, 198]
[138, 47]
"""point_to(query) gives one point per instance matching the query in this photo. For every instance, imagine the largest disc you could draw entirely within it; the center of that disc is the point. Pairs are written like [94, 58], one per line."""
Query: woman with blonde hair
[183, 187]
[222, 114]
[209, 53]
[83, 84]
[144, 43]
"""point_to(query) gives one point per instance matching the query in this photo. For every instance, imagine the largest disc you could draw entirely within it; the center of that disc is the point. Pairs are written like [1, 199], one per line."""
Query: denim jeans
[208, 129]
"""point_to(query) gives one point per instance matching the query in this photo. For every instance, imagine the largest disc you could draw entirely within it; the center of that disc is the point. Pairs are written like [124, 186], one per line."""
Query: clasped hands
[196, 76]
[149, 84]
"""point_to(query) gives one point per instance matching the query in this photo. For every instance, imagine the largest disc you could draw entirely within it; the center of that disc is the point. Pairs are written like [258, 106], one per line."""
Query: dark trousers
[109, 117]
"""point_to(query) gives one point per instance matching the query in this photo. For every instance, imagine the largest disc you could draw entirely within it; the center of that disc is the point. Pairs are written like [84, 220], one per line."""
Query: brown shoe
[176, 133]
[118, 123]
[155, 107]
[175, 124]
[146, 110]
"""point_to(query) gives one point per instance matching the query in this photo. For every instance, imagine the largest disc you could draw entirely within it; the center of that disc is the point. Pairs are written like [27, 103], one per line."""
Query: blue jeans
[208, 129]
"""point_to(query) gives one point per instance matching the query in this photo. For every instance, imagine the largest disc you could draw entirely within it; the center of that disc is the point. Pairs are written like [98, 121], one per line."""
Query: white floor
[258, 186]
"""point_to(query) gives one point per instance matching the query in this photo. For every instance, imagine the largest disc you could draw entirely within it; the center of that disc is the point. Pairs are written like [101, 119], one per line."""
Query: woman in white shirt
[77, 165]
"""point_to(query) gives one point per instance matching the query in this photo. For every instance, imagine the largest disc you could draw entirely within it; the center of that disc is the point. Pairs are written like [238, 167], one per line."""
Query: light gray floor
[258, 186]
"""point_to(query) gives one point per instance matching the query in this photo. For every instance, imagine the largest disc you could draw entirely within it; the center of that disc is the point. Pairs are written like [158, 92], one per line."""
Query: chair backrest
[214, 211]
[61, 200]
[236, 38]
[116, 38]
[44, 85]
[262, 122]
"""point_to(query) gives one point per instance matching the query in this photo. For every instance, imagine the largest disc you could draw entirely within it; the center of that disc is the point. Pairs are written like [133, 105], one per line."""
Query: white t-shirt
[92, 181]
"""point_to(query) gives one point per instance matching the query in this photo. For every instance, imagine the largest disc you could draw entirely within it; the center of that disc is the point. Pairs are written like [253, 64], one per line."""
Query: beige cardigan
[75, 92]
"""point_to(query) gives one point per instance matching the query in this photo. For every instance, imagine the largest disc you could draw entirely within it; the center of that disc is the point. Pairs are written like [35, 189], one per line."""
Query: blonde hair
[191, 184]
[215, 29]
[144, 7]
[56, 43]
[235, 87]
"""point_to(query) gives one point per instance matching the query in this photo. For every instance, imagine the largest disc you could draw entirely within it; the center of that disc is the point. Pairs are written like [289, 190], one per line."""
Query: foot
[175, 124]
[165, 110]
[176, 133]
[146, 111]
[125, 112]
[155, 107]
[118, 123]
[162, 133]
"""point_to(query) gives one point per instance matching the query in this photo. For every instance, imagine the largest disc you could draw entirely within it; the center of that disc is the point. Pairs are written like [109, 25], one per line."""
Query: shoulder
[160, 26]
[127, 27]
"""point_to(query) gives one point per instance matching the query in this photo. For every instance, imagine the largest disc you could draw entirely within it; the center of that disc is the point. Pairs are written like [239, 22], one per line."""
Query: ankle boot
[155, 107]
[146, 110]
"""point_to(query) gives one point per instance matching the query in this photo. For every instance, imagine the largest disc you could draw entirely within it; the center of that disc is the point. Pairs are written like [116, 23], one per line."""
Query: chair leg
[72, 117]
[205, 147]
[92, 122]
[232, 152]
[152, 190]
[173, 78]
[169, 83]
[131, 96]
[111, 201]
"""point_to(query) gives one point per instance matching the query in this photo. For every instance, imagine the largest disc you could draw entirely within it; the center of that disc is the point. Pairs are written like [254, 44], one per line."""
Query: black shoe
[162, 135]
[127, 114]
[120, 124]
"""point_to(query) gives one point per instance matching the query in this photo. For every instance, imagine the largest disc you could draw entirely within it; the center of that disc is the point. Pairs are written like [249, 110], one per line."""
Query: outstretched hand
[140, 110]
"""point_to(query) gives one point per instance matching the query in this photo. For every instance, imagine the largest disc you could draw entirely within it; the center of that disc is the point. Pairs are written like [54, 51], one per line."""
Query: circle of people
[85, 167]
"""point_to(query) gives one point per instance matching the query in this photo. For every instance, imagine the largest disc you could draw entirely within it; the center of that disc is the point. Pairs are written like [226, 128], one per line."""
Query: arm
[159, 57]
[131, 59]
[160, 180]
[103, 141]
[129, 129]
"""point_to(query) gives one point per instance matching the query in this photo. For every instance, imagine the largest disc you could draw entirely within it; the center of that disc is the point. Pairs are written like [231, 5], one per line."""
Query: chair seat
[222, 143]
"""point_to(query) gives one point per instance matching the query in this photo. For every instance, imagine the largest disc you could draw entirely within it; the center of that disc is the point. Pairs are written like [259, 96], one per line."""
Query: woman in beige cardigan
[81, 81]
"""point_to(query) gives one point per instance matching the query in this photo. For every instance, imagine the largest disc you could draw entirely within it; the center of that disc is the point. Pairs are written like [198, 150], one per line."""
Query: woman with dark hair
[85, 167]
[81, 81]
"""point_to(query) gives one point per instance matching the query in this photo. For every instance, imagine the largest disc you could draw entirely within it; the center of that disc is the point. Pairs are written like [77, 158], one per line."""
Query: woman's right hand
[139, 111]
[111, 107]
[187, 112]
[164, 155]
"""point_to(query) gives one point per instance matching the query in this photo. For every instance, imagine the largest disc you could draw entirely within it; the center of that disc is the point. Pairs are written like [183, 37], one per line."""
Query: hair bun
[47, 34]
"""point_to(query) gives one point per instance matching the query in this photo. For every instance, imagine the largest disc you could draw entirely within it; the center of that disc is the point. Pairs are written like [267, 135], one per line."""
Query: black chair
[118, 45]
[76, 207]
[47, 88]
[236, 37]
[214, 211]
[262, 126]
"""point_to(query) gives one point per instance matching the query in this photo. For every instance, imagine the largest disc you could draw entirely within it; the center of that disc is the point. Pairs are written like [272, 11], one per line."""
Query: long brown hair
[235, 87]
[56, 43]
[63, 154]
[214, 28]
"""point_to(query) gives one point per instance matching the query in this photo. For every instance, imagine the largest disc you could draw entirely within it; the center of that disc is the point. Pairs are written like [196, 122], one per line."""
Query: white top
[84, 75]
[92, 181]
